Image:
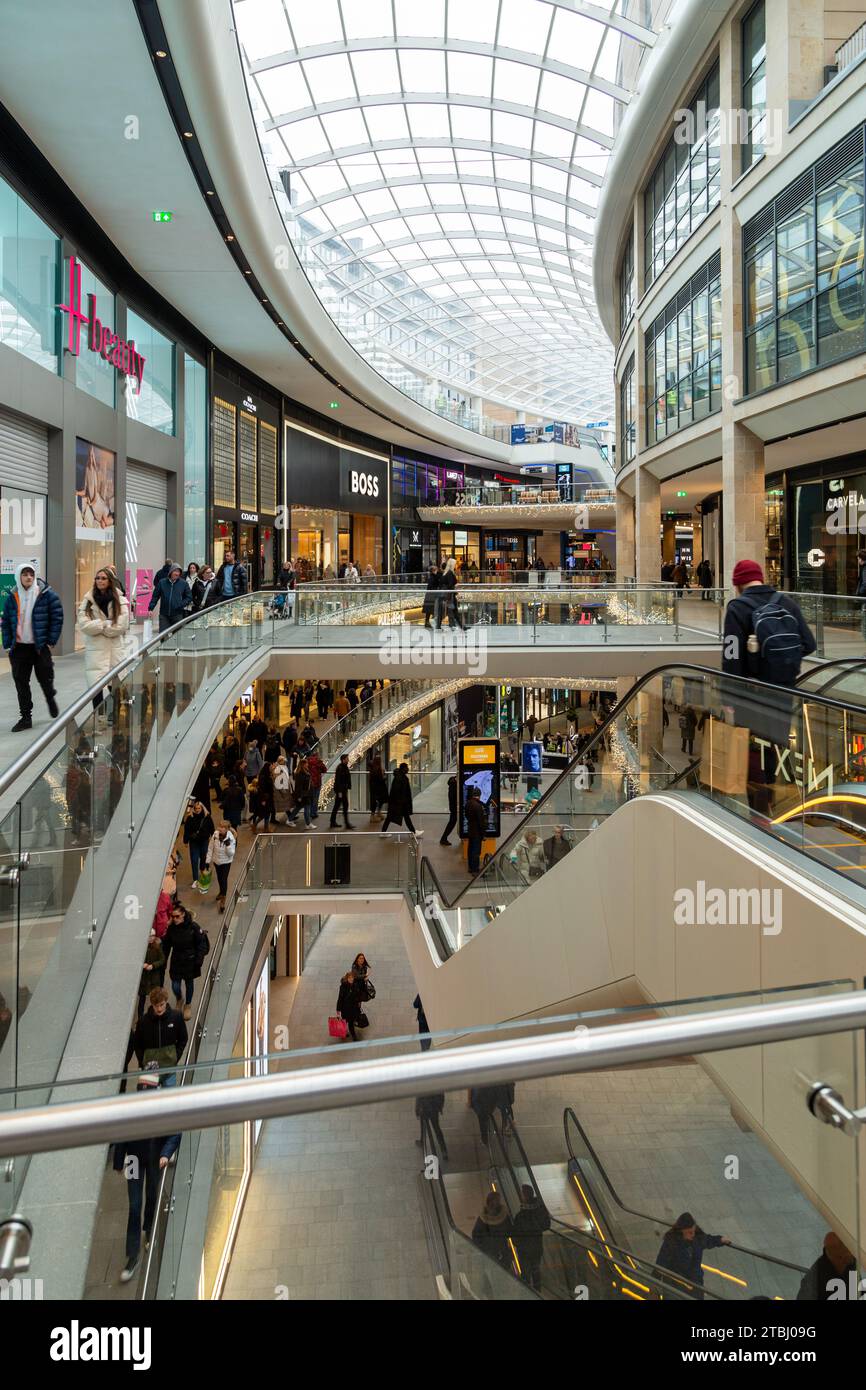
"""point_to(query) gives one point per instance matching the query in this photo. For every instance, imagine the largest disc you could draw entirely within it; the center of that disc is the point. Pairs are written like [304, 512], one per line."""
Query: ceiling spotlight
[209, 192]
[248, 272]
[264, 301]
[229, 237]
[160, 53]
[187, 135]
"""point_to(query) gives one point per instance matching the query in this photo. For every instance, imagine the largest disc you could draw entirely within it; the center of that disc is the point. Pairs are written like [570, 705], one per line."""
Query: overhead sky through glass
[438, 165]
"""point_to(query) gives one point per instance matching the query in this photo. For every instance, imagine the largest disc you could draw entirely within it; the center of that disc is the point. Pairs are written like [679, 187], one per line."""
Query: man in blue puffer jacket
[32, 623]
[174, 597]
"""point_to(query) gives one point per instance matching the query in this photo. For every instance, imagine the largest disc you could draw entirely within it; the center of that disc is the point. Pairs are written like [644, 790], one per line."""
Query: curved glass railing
[787, 762]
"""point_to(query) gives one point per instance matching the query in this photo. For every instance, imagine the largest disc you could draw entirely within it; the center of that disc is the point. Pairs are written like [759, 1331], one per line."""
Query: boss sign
[367, 484]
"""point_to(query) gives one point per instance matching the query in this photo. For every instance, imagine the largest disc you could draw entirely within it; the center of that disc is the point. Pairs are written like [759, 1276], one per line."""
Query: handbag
[371, 989]
[205, 879]
[725, 758]
[362, 1021]
[337, 1027]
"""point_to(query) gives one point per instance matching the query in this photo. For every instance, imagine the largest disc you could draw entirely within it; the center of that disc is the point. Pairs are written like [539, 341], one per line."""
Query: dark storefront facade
[338, 504]
[246, 475]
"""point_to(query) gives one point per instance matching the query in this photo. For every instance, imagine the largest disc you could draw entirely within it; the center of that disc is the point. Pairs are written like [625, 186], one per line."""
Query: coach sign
[109, 345]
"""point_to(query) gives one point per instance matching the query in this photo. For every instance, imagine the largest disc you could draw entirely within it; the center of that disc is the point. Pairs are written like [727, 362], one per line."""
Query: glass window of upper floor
[626, 286]
[754, 93]
[684, 356]
[627, 415]
[684, 186]
[805, 304]
[29, 281]
[153, 403]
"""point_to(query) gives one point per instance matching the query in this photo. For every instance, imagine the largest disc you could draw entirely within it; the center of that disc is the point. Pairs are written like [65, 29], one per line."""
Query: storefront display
[419, 744]
[338, 504]
[246, 477]
[94, 513]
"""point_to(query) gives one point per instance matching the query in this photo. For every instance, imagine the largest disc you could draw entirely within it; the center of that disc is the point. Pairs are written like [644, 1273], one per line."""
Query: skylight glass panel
[423, 70]
[364, 19]
[428, 121]
[376, 73]
[505, 330]
[515, 82]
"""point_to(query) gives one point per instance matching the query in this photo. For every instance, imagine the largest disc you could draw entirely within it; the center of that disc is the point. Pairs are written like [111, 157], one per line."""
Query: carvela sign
[109, 345]
[363, 483]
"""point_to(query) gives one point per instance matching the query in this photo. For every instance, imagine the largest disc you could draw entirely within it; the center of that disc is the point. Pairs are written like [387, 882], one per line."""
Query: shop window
[685, 184]
[684, 357]
[805, 304]
[626, 286]
[154, 404]
[224, 470]
[194, 458]
[268, 467]
[627, 411]
[247, 461]
[754, 91]
[29, 281]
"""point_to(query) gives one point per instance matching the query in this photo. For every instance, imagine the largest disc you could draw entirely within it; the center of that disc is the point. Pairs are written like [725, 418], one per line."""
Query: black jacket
[197, 829]
[452, 795]
[349, 1001]
[739, 621]
[814, 1287]
[530, 1223]
[399, 796]
[342, 778]
[240, 584]
[860, 591]
[493, 1239]
[155, 1032]
[476, 818]
[186, 945]
[434, 582]
[146, 1152]
[684, 1256]
[173, 599]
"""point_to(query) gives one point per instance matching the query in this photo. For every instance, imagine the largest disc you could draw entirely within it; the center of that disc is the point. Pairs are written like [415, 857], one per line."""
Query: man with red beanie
[765, 638]
[766, 635]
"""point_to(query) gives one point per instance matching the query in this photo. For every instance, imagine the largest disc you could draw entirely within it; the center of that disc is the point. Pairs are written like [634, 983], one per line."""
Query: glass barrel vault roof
[438, 166]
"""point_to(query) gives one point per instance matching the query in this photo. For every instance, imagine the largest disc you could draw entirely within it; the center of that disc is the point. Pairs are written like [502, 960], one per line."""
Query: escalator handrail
[847, 664]
[663, 1221]
[598, 1244]
[616, 713]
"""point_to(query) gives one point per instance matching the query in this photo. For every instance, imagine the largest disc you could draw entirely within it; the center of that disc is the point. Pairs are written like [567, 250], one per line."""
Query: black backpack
[780, 645]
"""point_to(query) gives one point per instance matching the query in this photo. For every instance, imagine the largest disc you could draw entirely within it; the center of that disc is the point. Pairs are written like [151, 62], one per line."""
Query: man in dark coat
[530, 1223]
[400, 800]
[452, 811]
[476, 823]
[141, 1162]
[231, 581]
[342, 787]
[32, 623]
[832, 1267]
[682, 1249]
[174, 597]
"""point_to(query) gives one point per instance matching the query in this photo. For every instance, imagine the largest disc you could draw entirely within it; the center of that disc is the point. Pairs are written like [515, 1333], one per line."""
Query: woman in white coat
[103, 621]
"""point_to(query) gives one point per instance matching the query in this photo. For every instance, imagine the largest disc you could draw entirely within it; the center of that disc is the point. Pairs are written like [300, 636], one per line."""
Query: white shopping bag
[146, 631]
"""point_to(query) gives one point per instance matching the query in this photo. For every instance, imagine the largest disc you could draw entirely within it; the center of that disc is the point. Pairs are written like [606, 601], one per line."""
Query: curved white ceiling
[438, 165]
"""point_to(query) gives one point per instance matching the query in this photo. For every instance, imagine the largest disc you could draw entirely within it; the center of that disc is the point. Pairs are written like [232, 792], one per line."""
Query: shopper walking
[378, 787]
[233, 803]
[476, 824]
[302, 793]
[198, 828]
[530, 1223]
[253, 760]
[32, 623]
[141, 1161]
[185, 946]
[448, 605]
[452, 811]
[683, 1247]
[349, 1003]
[493, 1230]
[230, 581]
[103, 621]
[342, 787]
[688, 725]
[400, 800]
[317, 769]
[173, 596]
[429, 1109]
[434, 583]
[152, 970]
[160, 1036]
[423, 1025]
[282, 784]
[221, 852]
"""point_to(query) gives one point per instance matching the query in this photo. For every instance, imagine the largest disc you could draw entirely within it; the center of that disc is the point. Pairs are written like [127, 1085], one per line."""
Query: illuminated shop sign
[110, 346]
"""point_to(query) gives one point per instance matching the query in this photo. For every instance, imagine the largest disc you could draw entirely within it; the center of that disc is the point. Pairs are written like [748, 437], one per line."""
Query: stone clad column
[625, 554]
[743, 498]
[647, 525]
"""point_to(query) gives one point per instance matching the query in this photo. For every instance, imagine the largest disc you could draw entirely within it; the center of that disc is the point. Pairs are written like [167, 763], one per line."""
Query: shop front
[461, 543]
[826, 525]
[415, 549]
[245, 475]
[418, 743]
[338, 504]
[506, 551]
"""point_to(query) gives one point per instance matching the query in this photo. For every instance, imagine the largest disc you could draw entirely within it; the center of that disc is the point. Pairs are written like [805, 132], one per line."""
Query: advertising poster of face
[94, 492]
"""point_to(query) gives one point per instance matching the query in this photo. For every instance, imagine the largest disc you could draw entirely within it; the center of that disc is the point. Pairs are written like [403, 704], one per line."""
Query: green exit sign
[682, 494]
[162, 216]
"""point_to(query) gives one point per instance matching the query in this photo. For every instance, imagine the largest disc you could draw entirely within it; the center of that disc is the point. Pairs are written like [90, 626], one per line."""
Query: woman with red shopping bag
[349, 1003]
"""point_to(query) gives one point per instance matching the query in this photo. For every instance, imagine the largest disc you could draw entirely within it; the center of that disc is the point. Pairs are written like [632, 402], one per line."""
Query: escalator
[803, 782]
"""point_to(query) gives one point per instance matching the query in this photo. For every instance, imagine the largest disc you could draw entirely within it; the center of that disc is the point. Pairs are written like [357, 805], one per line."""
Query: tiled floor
[333, 1210]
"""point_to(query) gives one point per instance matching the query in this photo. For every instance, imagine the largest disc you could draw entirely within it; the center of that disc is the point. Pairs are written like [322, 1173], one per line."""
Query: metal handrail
[51, 1128]
[663, 1221]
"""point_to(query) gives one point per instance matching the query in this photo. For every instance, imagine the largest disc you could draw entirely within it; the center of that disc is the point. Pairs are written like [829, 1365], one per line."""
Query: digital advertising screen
[532, 755]
[478, 766]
